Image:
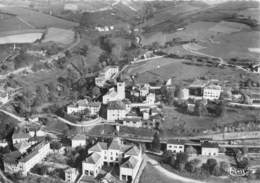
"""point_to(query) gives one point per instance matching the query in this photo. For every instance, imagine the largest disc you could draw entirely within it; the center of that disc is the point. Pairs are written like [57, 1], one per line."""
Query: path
[22, 120]
[169, 174]
[222, 62]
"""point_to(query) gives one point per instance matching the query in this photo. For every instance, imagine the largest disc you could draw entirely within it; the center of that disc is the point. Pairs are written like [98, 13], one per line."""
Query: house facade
[116, 110]
[114, 95]
[209, 149]
[78, 140]
[71, 175]
[175, 146]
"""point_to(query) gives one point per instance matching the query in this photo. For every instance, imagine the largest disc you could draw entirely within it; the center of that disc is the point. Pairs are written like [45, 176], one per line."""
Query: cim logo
[238, 172]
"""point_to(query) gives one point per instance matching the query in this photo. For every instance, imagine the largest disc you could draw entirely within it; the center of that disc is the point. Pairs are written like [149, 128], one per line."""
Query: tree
[156, 146]
[216, 171]
[192, 165]
[181, 160]
[211, 163]
[224, 167]
[190, 150]
[55, 145]
[200, 108]
[96, 91]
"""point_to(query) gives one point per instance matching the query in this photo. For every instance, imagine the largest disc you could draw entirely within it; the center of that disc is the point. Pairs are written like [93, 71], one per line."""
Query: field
[165, 68]
[11, 23]
[60, 36]
[235, 45]
[36, 19]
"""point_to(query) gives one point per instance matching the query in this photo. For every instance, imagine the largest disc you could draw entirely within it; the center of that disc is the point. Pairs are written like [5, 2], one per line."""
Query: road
[222, 62]
[18, 118]
[169, 174]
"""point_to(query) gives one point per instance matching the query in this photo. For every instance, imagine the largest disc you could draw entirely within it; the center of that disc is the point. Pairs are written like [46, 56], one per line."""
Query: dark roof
[21, 135]
[134, 151]
[12, 157]
[116, 105]
[79, 137]
[115, 144]
[93, 158]
[134, 119]
[209, 145]
[176, 141]
[98, 147]
[129, 162]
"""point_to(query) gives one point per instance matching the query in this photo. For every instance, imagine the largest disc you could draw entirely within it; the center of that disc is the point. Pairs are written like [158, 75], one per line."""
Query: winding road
[169, 174]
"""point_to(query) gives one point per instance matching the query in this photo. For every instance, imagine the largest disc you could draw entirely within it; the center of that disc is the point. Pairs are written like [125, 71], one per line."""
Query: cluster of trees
[44, 170]
[180, 163]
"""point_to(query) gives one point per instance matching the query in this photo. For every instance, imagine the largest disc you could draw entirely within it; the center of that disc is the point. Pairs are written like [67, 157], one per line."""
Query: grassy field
[165, 68]
[11, 23]
[235, 45]
[58, 35]
[38, 20]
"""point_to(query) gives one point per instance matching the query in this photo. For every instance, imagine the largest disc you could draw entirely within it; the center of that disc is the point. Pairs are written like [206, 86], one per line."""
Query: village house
[71, 175]
[116, 110]
[15, 161]
[78, 107]
[201, 89]
[78, 140]
[114, 95]
[133, 122]
[82, 105]
[20, 137]
[113, 153]
[175, 146]
[107, 74]
[209, 149]
[130, 164]
[22, 146]
[3, 143]
[212, 92]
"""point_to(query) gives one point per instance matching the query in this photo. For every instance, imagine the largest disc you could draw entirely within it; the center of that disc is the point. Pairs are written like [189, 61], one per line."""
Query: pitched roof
[115, 144]
[130, 162]
[176, 141]
[79, 137]
[209, 145]
[12, 156]
[21, 135]
[98, 147]
[116, 105]
[22, 145]
[134, 151]
[93, 158]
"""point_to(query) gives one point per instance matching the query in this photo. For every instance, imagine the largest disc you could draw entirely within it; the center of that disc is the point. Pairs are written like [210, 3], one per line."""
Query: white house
[3, 143]
[78, 140]
[212, 92]
[113, 153]
[22, 146]
[94, 108]
[20, 137]
[209, 149]
[150, 99]
[116, 110]
[175, 146]
[133, 122]
[78, 107]
[18, 162]
[92, 164]
[130, 164]
[113, 95]
[71, 175]
[107, 74]
[71, 7]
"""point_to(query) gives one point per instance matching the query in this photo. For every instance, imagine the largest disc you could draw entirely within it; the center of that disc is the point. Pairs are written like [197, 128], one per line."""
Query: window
[111, 158]
[170, 146]
[91, 173]
[105, 157]
[86, 172]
